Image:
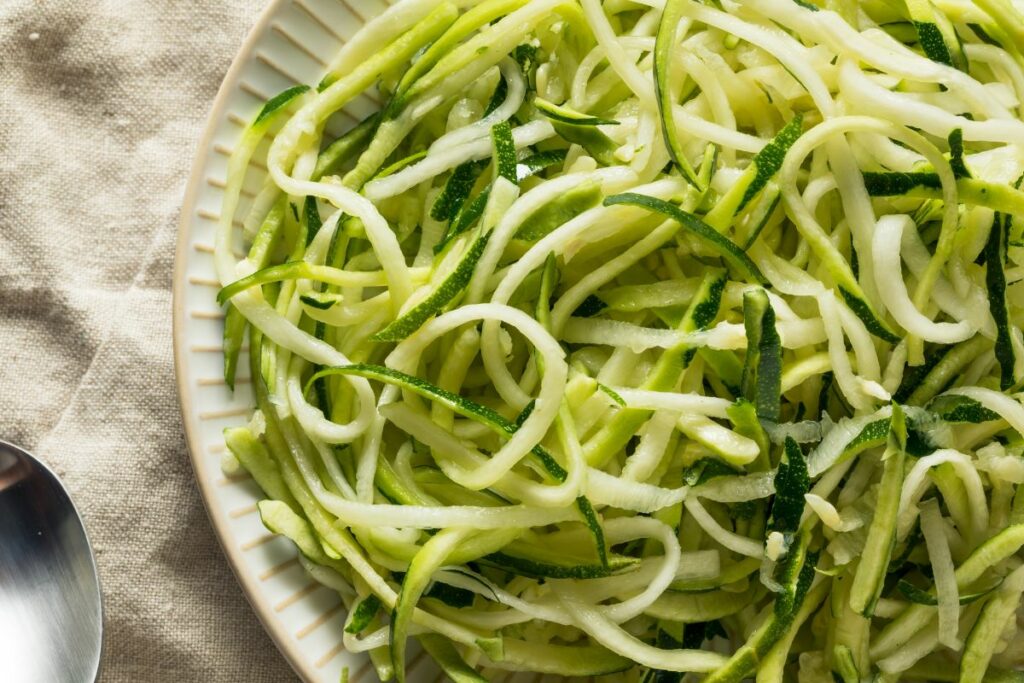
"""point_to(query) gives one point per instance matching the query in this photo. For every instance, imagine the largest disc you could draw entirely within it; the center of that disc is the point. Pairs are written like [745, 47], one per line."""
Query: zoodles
[657, 338]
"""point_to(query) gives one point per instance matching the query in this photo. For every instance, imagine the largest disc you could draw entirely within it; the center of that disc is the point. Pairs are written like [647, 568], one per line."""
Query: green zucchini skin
[664, 44]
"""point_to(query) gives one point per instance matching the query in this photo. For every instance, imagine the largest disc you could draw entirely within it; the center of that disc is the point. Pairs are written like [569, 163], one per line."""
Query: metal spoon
[51, 617]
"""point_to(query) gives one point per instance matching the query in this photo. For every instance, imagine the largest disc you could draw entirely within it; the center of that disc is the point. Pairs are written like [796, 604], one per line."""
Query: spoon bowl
[51, 616]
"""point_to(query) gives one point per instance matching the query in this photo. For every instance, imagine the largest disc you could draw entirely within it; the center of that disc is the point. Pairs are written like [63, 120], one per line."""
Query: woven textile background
[101, 106]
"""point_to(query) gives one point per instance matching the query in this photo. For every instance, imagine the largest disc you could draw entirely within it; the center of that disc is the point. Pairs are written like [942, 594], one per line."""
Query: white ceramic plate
[290, 44]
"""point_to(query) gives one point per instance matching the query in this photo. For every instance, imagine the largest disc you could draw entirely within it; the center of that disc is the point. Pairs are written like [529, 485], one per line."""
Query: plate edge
[214, 118]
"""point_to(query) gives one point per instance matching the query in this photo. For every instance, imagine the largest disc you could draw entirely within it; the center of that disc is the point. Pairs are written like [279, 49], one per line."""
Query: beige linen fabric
[101, 106]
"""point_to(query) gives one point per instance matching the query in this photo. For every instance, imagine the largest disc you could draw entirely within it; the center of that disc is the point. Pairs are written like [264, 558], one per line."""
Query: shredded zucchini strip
[658, 340]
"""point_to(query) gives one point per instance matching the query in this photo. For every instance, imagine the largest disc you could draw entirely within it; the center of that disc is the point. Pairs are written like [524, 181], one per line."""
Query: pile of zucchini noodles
[652, 338]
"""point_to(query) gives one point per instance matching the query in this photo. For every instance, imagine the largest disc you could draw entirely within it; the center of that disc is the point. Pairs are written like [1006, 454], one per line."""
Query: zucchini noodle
[656, 339]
